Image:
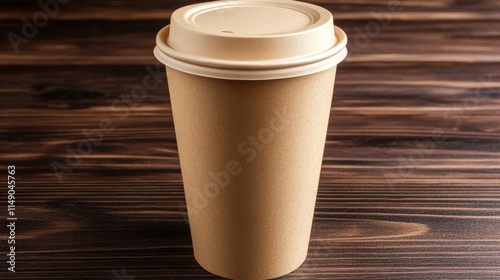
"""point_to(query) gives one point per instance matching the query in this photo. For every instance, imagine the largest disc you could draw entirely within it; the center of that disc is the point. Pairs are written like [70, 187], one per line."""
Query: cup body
[250, 155]
[251, 84]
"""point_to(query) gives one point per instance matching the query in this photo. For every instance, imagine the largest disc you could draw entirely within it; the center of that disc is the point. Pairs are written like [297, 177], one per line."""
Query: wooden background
[409, 186]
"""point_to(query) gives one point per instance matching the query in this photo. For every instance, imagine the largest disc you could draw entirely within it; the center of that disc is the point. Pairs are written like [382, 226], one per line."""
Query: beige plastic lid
[251, 40]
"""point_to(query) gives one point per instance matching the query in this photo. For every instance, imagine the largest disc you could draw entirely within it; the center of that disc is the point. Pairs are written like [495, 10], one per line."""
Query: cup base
[273, 275]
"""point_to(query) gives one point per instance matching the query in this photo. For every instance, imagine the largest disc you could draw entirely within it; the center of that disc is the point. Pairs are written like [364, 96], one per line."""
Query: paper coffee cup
[251, 86]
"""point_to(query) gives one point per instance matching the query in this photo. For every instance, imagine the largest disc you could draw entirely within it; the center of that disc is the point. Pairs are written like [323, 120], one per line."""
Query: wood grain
[395, 201]
[419, 10]
[101, 42]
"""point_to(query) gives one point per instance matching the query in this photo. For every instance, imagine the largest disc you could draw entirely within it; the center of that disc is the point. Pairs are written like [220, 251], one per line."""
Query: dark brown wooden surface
[395, 202]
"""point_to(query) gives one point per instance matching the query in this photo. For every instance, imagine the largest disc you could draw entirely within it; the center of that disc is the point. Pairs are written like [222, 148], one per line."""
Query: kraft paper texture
[250, 154]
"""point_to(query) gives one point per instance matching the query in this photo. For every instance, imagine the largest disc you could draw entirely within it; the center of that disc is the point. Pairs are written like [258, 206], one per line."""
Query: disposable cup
[251, 86]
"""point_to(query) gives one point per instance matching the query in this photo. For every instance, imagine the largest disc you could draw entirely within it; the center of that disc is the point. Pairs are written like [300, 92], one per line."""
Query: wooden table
[410, 181]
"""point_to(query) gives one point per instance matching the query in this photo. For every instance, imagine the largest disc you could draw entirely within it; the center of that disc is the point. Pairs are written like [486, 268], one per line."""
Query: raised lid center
[251, 20]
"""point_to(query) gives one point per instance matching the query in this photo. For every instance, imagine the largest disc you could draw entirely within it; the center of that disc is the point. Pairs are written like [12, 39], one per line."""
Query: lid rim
[254, 64]
[251, 74]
